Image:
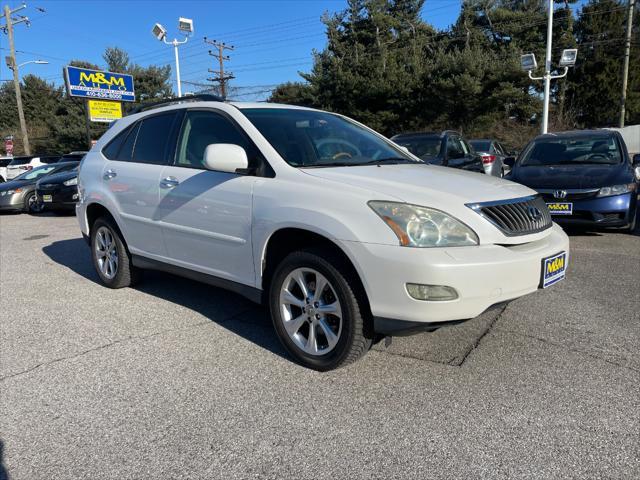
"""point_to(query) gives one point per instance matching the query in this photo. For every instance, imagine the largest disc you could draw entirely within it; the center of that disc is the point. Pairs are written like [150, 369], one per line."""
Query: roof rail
[200, 97]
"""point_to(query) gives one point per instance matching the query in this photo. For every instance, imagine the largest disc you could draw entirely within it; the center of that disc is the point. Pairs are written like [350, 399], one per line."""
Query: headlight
[617, 190]
[423, 227]
[71, 181]
[11, 192]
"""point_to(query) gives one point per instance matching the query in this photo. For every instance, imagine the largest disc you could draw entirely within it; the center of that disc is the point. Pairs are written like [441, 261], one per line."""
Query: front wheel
[32, 205]
[316, 310]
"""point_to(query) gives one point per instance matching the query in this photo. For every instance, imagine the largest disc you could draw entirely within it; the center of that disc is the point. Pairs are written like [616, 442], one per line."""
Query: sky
[272, 39]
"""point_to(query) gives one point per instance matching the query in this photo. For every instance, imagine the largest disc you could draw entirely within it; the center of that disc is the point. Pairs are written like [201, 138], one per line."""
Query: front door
[206, 215]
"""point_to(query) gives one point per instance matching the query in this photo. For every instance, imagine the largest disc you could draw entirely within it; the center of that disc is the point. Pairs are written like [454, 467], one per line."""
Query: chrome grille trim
[512, 217]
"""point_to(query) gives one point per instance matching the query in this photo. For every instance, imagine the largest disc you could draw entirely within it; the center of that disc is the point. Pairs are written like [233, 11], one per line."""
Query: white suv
[346, 236]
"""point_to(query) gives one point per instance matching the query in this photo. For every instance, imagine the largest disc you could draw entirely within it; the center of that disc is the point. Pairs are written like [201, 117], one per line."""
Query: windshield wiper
[389, 161]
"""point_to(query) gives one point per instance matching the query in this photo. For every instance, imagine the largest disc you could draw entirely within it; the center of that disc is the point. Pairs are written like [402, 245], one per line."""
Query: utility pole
[13, 64]
[547, 71]
[220, 77]
[625, 68]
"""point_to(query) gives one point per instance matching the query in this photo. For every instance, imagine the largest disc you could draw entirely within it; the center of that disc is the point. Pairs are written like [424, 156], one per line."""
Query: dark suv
[448, 149]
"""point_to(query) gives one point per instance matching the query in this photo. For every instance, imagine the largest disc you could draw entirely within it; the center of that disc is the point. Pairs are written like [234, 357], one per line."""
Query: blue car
[586, 177]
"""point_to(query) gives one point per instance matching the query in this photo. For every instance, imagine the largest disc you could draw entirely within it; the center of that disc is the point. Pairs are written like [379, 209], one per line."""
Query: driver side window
[454, 148]
[202, 128]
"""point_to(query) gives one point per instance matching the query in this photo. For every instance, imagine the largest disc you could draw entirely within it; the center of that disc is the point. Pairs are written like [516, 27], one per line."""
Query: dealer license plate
[560, 208]
[553, 269]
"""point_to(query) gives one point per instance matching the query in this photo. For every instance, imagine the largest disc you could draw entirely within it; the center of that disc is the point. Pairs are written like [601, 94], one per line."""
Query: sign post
[8, 145]
[103, 93]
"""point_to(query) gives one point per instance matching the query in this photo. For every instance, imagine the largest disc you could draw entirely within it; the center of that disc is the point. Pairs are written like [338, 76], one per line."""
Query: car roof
[576, 134]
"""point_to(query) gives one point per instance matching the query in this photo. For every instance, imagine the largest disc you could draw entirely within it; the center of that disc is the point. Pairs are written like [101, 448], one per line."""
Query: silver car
[493, 156]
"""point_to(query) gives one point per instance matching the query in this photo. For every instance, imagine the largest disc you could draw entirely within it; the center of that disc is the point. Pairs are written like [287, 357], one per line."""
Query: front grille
[520, 216]
[568, 195]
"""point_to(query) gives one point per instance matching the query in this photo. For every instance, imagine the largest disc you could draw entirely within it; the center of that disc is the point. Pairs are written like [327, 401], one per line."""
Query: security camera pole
[13, 65]
[528, 62]
[185, 25]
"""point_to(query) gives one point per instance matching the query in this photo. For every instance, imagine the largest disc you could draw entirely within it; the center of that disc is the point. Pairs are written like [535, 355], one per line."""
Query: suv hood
[424, 185]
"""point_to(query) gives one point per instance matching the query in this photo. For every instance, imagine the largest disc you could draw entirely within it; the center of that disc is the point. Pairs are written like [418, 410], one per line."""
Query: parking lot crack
[475, 344]
[101, 347]
[574, 350]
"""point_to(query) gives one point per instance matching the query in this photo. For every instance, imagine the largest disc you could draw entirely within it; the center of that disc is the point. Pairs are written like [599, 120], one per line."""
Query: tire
[31, 204]
[632, 225]
[337, 309]
[110, 255]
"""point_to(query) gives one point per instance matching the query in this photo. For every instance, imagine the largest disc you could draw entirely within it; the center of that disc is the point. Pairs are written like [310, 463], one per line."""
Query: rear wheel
[111, 258]
[316, 311]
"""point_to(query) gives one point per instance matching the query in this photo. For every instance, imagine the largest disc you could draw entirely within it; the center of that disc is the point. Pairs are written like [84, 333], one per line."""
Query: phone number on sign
[109, 95]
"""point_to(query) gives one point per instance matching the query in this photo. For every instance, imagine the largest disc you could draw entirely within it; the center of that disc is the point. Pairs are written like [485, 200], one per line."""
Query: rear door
[206, 215]
[132, 176]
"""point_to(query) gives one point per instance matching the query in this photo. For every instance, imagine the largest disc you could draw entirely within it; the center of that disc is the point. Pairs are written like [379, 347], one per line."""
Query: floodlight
[159, 31]
[568, 58]
[185, 25]
[528, 62]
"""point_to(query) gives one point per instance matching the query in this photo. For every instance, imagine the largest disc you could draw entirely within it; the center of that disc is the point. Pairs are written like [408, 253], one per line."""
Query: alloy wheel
[34, 205]
[311, 312]
[106, 252]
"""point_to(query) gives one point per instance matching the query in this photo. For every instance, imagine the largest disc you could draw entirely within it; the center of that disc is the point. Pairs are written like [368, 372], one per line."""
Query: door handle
[169, 182]
[109, 174]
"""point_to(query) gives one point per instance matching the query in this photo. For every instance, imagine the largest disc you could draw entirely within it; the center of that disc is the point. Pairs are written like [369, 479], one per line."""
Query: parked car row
[12, 167]
[50, 184]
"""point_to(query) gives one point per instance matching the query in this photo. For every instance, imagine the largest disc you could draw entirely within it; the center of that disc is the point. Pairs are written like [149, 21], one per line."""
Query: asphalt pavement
[175, 379]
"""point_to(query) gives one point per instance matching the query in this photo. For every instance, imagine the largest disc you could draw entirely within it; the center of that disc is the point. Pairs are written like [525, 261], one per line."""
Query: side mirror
[509, 161]
[404, 149]
[636, 160]
[225, 157]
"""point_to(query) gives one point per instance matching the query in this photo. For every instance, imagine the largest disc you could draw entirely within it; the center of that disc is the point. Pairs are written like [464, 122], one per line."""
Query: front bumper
[13, 202]
[614, 211]
[62, 197]
[482, 276]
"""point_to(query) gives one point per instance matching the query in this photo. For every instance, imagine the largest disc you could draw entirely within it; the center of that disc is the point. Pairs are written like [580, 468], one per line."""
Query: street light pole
[547, 71]
[175, 44]
[185, 25]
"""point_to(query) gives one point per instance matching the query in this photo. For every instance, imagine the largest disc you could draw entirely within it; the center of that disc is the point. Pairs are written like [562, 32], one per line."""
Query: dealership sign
[87, 83]
[104, 111]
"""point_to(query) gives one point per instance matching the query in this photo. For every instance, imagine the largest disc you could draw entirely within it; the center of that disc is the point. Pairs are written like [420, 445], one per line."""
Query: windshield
[422, 147]
[36, 172]
[308, 138]
[595, 150]
[480, 145]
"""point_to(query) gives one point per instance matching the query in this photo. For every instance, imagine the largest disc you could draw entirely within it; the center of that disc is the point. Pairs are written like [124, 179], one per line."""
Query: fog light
[74, 197]
[432, 293]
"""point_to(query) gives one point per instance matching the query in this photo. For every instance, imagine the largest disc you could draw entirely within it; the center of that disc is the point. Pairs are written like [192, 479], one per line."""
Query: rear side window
[113, 147]
[20, 160]
[152, 141]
